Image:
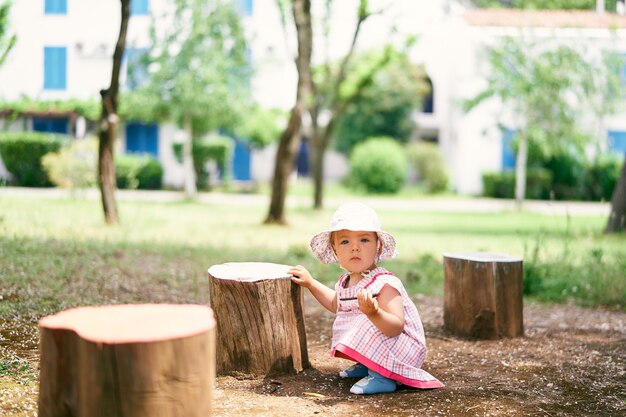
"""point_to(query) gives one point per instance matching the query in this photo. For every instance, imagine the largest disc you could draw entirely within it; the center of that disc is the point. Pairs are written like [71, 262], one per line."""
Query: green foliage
[379, 165]
[6, 41]
[74, 166]
[89, 109]
[138, 172]
[260, 126]
[602, 176]
[551, 89]
[197, 68]
[430, 166]
[214, 148]
[22, 152]
[385, 107]
[502, 184]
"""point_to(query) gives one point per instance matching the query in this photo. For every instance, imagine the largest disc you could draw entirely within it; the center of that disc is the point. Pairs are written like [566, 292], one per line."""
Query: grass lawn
[57, 252]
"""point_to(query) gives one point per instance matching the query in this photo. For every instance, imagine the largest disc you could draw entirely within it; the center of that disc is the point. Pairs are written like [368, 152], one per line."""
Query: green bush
[601, 177]
[568, 173]
[379, 165]
[138, 172]
[22, 152]
[430, 166]
[216, 148]
[73, 166]
[502, 184]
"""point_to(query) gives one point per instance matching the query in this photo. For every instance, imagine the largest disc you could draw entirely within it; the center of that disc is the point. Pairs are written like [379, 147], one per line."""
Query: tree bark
[260, 319]
[190, 174]
[150, 360]
[109, 121]
[617, 218]
[483, 295]
[520, 171]
[289, 139]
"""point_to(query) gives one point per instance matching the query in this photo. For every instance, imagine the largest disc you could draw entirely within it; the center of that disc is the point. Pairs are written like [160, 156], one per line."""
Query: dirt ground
[571, 362]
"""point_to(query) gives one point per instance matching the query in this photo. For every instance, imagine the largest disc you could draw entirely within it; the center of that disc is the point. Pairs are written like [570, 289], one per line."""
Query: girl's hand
[367, 303]
[301, 276]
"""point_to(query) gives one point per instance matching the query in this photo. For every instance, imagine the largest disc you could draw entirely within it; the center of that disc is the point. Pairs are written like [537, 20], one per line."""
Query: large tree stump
[260, 319]
[483, 295]
[151, 360]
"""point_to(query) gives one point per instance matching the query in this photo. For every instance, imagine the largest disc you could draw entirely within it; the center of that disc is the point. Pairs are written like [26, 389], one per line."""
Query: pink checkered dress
[356, 338]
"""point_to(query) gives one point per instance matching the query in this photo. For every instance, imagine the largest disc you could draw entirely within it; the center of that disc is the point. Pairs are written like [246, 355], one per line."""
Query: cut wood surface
[260, 319]
[153, 360]
[483, 295]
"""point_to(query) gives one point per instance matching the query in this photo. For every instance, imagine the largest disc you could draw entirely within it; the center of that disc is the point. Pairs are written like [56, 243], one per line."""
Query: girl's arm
[324, 295]
[386, 311]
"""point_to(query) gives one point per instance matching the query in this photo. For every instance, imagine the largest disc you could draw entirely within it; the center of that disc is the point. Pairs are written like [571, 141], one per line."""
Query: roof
[544, 18]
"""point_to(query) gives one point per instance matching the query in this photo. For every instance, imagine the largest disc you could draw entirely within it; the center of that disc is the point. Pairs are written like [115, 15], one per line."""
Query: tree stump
[260, 319]
[483, 295]
[150, 360]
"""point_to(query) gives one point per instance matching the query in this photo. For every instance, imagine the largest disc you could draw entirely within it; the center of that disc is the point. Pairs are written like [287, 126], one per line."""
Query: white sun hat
[355, 217]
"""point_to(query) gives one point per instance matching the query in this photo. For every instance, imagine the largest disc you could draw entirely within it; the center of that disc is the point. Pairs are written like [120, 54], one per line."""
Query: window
[245, 7]
[508, 154]
[142, 138]
[136, 73]
[139, 7]
[55, 68]
[55, 7]
[50, 125]
[617, 141]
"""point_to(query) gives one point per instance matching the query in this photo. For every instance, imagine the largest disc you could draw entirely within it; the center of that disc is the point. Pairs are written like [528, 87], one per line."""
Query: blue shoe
[373, 383]
[355, 371]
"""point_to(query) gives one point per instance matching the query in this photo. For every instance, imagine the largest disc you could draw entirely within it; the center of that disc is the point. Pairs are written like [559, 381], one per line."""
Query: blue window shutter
[55, 7]
[50, 125]
[139, 7]
[617, 141]
[508, 155]
[241, 161]
[55, 68]
[142, 138]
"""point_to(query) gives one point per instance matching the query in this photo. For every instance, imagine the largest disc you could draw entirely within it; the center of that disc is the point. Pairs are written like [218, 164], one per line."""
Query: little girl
[376, 325]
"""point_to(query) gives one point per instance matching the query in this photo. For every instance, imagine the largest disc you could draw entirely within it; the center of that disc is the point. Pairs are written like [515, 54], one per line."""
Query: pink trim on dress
[343, 351]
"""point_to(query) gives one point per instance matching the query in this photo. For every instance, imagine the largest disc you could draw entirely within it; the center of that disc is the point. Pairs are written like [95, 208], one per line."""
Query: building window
[139, 7]
[55, 7]
[50, 125]
[142, 138]
[136, 73]
[245, 7]
[55, 68]
[617, 141]
[508, 154]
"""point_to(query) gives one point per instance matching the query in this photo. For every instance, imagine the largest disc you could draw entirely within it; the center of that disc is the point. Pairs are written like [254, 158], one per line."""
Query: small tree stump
[151, 360]
[260, 319]
[483, 295]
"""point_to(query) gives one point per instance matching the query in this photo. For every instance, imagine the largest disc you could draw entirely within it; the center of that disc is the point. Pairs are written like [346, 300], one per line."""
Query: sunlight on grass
[171, 244]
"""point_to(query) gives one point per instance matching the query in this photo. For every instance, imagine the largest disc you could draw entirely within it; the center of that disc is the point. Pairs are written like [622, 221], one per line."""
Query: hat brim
[323, 249]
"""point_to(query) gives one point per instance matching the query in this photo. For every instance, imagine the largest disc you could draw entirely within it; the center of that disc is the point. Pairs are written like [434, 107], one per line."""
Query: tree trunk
[109, 121]
[617, 218]
[289, 138]
[520, 171]
[483, 295]
[150, 360]
[188, 167]
[318, 152]
[260, 319]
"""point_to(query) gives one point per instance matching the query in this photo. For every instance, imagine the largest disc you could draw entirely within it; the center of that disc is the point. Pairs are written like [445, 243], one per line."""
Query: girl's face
[356, 251]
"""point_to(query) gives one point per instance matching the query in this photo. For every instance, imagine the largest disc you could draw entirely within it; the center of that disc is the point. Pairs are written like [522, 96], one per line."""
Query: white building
[70, 56]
